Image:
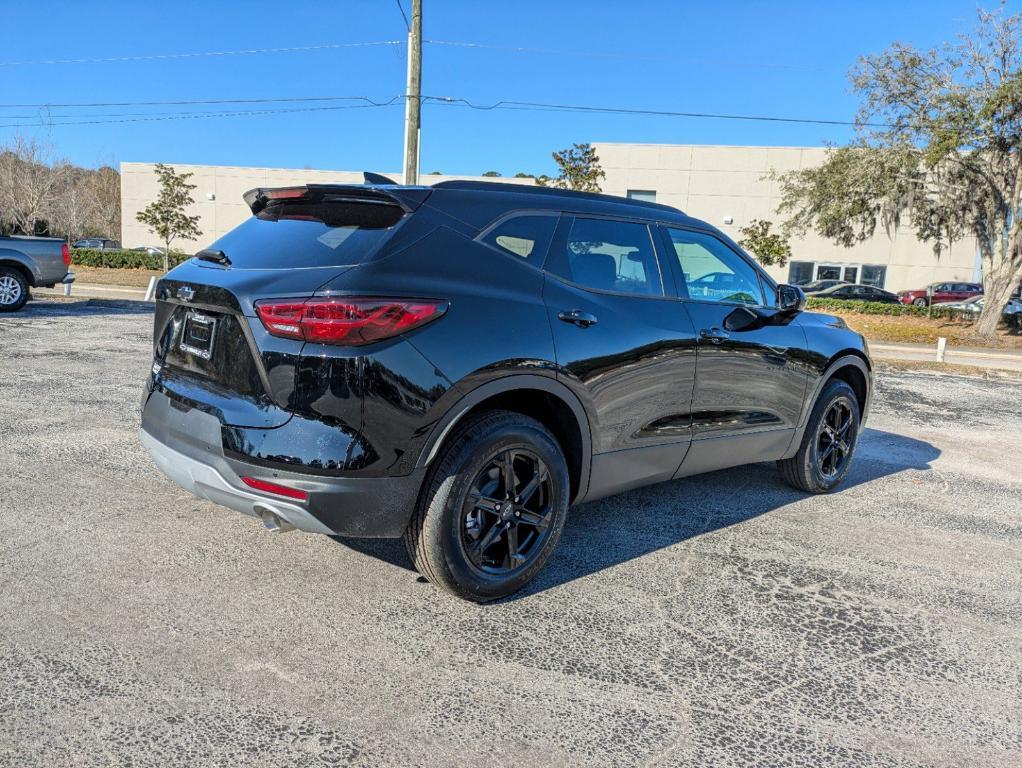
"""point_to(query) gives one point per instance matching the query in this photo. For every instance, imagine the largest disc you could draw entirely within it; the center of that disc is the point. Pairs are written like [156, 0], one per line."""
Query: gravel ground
[723, 620]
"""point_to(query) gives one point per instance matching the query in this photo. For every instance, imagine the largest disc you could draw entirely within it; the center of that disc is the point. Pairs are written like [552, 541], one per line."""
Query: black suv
[458, 364]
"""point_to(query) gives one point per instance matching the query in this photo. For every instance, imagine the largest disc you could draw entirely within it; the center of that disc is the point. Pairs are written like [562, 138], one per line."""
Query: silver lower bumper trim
[207, 483]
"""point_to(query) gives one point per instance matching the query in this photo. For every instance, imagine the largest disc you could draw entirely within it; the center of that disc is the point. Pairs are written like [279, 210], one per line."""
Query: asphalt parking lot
[723, 620]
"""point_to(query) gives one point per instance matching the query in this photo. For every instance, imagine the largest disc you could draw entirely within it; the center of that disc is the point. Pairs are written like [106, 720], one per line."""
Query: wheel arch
[849, 365]
[544, 399]
[8, 259]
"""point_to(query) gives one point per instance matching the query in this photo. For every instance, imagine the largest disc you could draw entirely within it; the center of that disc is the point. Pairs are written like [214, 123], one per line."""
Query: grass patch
[921, 330]
[130, 278]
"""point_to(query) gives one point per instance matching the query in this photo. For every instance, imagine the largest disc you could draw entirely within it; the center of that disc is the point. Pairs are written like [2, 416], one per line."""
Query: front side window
[609, 255]
[712, 271]
[526, 236]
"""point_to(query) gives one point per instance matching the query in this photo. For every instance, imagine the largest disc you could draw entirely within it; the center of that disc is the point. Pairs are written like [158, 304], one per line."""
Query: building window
[648, 195]
[874, 275]
[800, 272]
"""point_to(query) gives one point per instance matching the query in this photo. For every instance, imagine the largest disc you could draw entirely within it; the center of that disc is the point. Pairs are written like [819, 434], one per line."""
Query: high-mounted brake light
[346, 321]
[279, 490]
[286, 193]
[65, 254]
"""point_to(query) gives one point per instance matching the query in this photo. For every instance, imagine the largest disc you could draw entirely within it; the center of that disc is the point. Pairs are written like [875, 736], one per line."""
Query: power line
[403, 15]
[185, 102]
[242, 52]
[614, 55]
[540, 106]
[443, 100]
[202, 115]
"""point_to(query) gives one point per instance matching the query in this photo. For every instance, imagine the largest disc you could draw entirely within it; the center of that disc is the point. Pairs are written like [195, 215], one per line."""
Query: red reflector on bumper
[279, 490]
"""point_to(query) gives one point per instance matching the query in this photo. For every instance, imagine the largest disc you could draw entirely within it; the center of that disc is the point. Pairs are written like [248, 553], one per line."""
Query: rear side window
[297, 234]
[527, 236]
[609, 255]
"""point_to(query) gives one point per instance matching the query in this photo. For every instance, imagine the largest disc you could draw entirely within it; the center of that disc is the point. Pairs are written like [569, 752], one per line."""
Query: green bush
[880, 308]
[119, 259]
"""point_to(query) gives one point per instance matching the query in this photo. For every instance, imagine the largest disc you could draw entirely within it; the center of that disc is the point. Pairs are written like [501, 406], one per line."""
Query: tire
[920, 302]
[448, 534]
[805, 470]
[13, 289]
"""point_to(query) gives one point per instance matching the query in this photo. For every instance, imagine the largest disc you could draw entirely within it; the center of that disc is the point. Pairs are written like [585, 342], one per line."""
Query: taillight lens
[346, 321]
[65, 254]
[279, 490]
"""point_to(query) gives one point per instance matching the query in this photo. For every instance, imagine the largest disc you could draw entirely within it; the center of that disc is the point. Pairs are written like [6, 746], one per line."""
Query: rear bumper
[206, 482]
[186, 445]
[68, 278]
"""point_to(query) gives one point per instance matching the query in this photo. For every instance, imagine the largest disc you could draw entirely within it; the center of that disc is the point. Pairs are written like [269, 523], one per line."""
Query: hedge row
[881, 308]
[94, 257]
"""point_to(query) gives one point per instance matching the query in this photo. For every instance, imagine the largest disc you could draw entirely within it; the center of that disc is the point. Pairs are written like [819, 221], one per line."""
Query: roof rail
[499, 186]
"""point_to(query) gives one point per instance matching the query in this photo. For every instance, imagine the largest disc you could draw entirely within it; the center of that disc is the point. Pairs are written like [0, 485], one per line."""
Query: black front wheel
[829, 441]
[493, 507]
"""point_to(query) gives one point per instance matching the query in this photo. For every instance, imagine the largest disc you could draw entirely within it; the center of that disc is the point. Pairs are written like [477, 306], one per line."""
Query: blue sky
[786, 59]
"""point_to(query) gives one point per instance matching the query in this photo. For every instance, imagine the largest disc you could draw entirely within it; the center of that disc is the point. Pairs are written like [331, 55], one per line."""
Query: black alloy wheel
[828, 443]
[492, 507]
[507, 514]
[832, 439]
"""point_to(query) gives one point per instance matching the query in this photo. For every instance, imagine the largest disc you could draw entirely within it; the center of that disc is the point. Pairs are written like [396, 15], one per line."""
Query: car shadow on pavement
[45, 307]
[615, 530]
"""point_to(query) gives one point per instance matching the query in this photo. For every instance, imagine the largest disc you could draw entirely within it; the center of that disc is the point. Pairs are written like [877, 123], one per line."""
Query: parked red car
[942, 292]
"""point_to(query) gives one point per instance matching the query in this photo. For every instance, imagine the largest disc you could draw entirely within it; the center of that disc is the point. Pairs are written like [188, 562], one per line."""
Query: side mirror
[790, 298]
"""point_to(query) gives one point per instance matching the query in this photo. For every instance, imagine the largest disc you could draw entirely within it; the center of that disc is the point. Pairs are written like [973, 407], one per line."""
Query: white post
[151, 289]
[941, 345]
[67, 289]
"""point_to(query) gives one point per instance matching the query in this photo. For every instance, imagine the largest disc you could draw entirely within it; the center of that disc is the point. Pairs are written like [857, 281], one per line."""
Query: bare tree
[29, 179]
[106, 187]
[75, 209]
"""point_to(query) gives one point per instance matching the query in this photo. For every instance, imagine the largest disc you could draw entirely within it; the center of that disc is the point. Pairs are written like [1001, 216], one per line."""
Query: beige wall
[716, 182]
[218, 195]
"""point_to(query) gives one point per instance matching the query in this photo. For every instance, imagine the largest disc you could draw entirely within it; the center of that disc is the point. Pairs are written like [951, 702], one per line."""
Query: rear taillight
[346, 321]
[65, 254]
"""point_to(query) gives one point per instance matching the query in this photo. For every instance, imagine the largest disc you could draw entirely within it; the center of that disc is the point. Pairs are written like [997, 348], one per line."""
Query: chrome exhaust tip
[272, 521]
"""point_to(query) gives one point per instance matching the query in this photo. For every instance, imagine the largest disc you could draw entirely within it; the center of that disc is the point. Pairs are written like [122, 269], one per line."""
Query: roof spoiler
[388, 193]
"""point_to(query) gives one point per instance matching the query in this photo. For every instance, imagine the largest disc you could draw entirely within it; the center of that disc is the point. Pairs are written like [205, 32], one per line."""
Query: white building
[730, 186]
[726, 186]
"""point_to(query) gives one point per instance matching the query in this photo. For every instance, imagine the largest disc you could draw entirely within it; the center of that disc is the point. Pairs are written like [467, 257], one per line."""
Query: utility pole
[413, 95]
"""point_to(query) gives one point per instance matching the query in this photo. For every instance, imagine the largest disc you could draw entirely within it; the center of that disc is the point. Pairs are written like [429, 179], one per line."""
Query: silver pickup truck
[31, 262]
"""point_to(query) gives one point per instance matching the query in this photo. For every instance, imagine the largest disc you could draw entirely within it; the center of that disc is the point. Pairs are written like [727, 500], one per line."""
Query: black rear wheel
[831, 435]
[493, 507]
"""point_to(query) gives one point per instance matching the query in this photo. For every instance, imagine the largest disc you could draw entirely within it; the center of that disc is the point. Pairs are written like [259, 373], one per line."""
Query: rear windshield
[296, 235]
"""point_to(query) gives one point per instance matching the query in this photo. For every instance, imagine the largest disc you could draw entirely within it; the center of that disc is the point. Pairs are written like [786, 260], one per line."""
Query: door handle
[577, 317]
[716, 335]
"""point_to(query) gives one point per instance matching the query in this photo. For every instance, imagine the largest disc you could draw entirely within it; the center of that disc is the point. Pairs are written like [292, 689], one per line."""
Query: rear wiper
[218, 257]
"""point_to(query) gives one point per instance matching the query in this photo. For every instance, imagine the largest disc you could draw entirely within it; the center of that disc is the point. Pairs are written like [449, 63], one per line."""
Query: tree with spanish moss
[938, 149]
